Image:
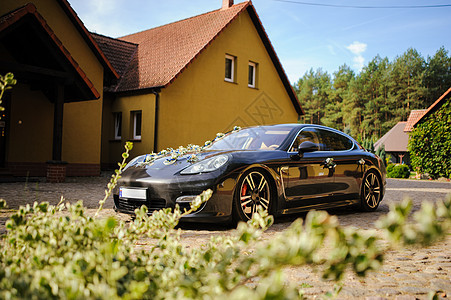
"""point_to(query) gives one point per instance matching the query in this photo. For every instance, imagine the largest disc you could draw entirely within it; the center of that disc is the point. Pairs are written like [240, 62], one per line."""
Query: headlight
[135, 161]
[207, 165]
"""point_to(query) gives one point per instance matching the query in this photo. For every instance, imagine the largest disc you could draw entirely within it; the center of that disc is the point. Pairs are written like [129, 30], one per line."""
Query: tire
[253, 189]
[371, 192]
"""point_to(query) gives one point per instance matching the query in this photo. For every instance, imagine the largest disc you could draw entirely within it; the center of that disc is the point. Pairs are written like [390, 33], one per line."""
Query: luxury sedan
[286, 168]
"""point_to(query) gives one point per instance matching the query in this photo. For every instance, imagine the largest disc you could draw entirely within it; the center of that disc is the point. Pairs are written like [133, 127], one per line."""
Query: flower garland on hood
[175, 154]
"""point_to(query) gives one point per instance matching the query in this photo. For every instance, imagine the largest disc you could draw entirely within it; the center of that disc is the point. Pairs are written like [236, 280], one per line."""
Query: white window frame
[232, 71]
[135, 115]
[118, 125]
[254, 68]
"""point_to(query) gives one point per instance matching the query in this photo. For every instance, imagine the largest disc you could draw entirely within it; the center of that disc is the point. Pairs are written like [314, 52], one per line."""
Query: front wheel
[253, 190]
[371, 194]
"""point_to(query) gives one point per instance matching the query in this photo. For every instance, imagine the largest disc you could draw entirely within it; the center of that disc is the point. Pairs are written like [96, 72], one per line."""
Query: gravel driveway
[409, 273]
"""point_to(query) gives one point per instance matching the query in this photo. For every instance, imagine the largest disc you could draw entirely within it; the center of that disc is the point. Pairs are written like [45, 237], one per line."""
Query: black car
[285, 168]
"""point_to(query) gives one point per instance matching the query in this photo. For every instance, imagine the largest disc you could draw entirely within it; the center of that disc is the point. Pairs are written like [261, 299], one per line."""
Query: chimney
[226, 4]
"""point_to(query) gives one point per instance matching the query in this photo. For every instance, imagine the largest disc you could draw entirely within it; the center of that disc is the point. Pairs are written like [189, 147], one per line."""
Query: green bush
[6, 83]
[398, 171]
[382, 154]
[53, 252]
[430, 144]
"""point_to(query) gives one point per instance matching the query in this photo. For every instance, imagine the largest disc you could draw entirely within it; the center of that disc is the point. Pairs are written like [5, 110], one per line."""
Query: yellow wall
[112, 149]
[82, 120]
[200, 103]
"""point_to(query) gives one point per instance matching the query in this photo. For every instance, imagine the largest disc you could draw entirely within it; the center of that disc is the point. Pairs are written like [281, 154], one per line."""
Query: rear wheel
[371, 194]
[253, 190]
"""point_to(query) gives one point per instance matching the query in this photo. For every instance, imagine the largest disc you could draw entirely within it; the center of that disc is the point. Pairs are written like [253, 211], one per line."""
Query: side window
[307, 134]
[229, 68]
[136, 124]
[331, 141]
[252, 75]
[117, 125]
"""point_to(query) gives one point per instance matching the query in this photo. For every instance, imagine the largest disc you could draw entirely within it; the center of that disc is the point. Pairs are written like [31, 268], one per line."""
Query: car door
[347, 167]
[306, 180]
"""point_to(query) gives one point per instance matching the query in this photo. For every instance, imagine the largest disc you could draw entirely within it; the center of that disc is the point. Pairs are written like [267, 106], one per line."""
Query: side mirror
[307, 146]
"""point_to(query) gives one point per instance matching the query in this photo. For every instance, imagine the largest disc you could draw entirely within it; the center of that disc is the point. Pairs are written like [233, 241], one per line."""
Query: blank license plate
[130, 193]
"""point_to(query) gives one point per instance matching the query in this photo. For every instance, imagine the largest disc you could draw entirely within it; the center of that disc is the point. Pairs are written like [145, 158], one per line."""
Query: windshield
[255, 138]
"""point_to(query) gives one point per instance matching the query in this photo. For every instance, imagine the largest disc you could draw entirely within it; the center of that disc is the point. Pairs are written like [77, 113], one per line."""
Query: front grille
[130, 204]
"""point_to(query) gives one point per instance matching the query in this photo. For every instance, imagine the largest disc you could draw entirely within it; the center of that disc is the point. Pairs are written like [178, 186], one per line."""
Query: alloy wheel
[372, 190]
[254, 192]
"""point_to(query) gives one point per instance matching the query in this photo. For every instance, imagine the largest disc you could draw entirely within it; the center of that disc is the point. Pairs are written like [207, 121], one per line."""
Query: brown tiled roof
[413, 118]
[434, 107]
[394, 140]
[119, 53]
[30, 10]
[165, 51]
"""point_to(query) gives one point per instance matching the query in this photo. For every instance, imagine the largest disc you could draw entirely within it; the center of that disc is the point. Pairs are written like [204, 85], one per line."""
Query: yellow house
[81, 95]
[183, 82]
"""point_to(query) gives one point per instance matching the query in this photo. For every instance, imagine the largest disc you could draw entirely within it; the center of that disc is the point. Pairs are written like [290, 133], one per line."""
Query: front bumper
[165, 193]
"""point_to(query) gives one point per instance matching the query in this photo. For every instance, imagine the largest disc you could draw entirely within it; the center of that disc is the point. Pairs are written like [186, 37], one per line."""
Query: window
[229, 68]
[137, 123]
[307, 134]
[252, 75]
[332, 141]
[117, 125]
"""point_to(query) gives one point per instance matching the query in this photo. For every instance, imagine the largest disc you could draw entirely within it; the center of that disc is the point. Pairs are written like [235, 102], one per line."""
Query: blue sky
[304, 36]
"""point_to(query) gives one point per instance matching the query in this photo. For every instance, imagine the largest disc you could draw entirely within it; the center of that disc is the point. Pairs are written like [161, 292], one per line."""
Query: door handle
[329, 163]
[284, 170]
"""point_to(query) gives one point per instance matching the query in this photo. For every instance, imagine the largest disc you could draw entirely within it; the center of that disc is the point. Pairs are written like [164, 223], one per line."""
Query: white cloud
[357, 48]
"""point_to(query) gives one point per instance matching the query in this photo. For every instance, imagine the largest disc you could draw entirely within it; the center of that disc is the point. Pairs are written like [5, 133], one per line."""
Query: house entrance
[4, 128]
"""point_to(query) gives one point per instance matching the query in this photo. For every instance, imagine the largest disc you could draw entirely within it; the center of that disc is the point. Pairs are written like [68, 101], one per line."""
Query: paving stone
[412, 283]
[410, 269]
[405, 297]
[386, 281]
[401, 276]
[352, 292]
[441, 285]
[425, 276]
[387, 292]
[403, 258]
[314, 291]
[414, 290]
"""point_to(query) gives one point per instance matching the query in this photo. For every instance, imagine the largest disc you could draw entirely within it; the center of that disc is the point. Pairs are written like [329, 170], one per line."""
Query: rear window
[331, 141]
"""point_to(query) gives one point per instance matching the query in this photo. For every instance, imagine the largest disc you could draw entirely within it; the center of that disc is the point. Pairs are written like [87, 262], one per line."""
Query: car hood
[161, 166]
[159, 171]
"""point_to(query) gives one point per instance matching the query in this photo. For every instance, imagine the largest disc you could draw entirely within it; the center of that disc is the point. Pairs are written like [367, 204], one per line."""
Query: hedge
[430, 144]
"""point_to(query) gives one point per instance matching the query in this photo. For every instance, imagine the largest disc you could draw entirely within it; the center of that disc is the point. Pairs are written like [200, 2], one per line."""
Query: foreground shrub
[61, 252]
[398, 171]
[6, 83]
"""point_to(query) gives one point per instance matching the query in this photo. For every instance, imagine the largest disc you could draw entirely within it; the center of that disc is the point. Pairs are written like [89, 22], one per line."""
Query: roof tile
[414, 116]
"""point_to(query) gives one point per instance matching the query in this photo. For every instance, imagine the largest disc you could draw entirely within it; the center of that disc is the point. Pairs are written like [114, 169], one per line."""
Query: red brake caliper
[244, 190]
